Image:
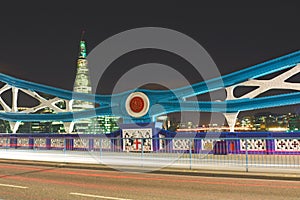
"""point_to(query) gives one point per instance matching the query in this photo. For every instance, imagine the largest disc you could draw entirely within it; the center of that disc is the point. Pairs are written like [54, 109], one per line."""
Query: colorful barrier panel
[225, 143]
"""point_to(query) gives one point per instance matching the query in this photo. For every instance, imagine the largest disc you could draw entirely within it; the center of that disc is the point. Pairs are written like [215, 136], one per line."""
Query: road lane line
[97, 196]
[13, 186]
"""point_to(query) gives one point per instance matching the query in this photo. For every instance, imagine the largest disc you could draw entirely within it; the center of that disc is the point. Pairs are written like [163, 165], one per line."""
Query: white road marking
[13, 186]
[97, 196]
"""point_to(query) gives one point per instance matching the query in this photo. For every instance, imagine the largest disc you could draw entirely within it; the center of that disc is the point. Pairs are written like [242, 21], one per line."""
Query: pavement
[77, 161]
[166, 170]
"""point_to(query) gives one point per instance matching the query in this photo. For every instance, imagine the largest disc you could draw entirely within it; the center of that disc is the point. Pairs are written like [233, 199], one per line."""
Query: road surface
[23, 182]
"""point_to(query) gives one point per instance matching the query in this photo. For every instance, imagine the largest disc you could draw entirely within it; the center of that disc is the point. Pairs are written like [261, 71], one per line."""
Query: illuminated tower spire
[82, 52]
[82, 85]
[82, 81]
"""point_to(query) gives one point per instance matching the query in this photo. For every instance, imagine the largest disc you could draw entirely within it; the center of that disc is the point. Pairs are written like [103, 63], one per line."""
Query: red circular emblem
[136, 104]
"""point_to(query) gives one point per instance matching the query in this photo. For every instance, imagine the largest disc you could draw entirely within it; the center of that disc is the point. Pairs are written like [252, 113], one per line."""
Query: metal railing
[244, 154]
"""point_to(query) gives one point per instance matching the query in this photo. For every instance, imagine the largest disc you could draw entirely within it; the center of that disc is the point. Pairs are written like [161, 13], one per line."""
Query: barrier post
[190, 153]
[65, 145]
[7, 144]
[247, 169]
[100, 148]
[142, 152]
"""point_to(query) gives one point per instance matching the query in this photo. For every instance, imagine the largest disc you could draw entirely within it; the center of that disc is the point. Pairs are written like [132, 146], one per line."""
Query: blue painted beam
[169, 107]
[165, 98]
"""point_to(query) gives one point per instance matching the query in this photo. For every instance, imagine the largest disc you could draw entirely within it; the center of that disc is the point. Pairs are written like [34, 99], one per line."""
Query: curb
[168, 171]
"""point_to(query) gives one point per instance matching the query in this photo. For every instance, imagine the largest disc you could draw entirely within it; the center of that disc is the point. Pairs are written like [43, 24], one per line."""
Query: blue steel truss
[115, 104]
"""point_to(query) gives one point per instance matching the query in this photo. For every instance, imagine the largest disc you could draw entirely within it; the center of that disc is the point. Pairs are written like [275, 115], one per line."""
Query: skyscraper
[82, 84]
[82, 81]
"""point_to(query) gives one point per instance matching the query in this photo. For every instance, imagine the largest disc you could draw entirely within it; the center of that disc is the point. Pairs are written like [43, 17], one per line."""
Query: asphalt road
[35, 182]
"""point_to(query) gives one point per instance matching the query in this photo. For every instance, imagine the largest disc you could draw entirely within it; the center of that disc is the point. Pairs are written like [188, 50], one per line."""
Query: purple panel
[270, 146]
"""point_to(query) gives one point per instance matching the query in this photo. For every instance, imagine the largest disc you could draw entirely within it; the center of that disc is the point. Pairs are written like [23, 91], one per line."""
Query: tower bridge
[137, 105]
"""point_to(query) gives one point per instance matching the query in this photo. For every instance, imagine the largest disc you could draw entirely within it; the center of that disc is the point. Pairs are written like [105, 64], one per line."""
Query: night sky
[40, 41]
